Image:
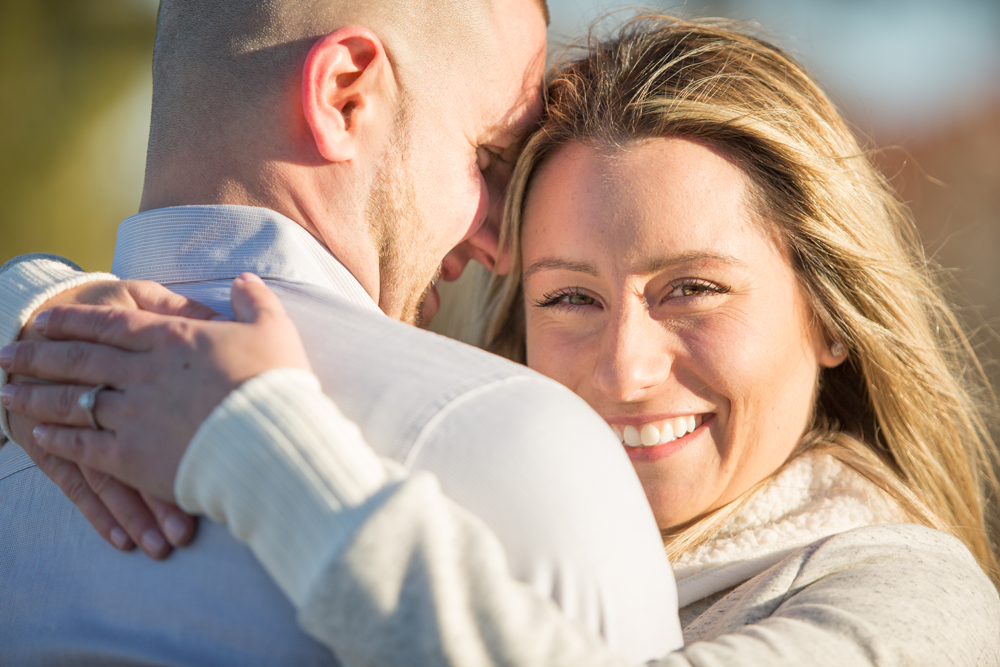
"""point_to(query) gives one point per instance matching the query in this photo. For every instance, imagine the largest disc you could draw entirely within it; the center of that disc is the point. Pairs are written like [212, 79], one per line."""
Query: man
[346, 153]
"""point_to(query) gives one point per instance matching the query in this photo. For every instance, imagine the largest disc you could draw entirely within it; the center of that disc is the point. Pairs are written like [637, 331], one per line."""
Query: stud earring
[837, 349]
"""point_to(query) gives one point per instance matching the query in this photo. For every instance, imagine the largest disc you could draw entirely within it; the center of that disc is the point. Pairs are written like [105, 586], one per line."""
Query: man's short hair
[220, 65]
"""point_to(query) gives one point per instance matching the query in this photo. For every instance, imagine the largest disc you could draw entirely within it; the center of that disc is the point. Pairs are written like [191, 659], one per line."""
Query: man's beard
[406, 275]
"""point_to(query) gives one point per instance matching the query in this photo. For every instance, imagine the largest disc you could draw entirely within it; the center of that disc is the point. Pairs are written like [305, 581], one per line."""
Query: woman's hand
[165, 375]
[120, 514]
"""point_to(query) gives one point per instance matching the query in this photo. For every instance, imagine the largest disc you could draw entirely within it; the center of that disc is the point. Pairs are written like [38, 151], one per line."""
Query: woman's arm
[385, 570]
[382, 568]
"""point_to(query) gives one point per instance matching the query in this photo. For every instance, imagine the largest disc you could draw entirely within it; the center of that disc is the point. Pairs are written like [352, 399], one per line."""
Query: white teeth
[650, 435]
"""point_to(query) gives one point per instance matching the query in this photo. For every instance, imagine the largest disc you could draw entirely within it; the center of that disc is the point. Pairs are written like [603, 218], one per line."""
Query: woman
[850, 243]
[700, 249]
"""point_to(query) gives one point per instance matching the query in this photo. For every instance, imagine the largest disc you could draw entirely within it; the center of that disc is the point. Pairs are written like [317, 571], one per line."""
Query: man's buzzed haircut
[220, 67]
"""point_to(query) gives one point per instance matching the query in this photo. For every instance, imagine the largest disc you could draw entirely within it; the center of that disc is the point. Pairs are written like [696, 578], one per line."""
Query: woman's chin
[677, 477]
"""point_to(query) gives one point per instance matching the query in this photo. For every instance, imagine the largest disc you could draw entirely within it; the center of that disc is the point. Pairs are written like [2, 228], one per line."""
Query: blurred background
[75, 94]
[919, 79]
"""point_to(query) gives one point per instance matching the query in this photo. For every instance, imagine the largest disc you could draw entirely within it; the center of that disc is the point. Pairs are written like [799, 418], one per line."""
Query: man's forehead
[520, 64]
[497, 98]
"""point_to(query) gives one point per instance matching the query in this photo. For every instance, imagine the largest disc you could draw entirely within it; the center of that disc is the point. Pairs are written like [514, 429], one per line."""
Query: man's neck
[338, 226]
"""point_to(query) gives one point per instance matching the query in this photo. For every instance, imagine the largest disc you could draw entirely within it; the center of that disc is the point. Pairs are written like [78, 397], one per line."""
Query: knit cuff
[24, 286]
[281, 466]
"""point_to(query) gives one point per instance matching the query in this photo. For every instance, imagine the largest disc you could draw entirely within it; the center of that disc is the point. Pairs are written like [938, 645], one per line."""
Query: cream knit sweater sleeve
[382, 568]
[385, 570]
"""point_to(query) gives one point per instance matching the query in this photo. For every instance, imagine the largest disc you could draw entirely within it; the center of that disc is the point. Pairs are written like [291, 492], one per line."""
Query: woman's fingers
[125, 328]
[119, 513]
[255, 304]
[102, 450]
[156, 298]
[59, 404]
[72, 362]
[178, 526]
[251, 299]
[84, 447]
[130, 510]
[70, 479]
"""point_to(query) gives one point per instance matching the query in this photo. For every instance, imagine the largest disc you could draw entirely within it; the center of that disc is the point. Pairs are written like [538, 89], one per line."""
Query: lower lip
[657, 452]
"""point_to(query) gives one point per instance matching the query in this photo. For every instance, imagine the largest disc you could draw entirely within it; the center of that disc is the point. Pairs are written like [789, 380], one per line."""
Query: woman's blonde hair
[906, 408]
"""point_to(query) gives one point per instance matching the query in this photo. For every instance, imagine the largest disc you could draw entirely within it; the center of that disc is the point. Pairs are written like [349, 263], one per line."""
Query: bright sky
[901, 64]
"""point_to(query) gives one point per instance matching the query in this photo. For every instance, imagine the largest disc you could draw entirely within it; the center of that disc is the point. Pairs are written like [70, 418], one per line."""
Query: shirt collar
[197, 243]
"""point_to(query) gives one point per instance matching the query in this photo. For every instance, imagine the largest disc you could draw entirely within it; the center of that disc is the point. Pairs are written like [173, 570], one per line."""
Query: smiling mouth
[659, 432]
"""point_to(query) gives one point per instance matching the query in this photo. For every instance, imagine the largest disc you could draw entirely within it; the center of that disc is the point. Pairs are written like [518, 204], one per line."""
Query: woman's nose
[634, 357]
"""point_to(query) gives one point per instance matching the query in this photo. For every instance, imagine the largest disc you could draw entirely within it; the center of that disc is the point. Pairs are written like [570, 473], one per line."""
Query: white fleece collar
[814, 497]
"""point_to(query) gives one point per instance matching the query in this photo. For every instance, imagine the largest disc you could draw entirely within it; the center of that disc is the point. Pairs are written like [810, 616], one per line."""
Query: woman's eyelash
[554, 298]
[698, 287]
[691, 287]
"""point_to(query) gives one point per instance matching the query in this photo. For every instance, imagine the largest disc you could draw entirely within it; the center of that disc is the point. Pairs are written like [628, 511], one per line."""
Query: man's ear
[344, 81]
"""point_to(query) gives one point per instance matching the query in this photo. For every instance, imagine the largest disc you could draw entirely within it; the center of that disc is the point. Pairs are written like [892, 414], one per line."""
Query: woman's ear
[833, 354]
[345, 81]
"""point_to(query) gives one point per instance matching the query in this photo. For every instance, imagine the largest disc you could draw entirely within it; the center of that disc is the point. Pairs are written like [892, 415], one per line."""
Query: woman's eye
[565, 298]
[696, 288]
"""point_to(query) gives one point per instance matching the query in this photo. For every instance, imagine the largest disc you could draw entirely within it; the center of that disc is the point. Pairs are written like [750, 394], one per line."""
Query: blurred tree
[64, 64]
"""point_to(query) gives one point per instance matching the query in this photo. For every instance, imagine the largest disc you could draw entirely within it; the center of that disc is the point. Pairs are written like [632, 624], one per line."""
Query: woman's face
[652, 292]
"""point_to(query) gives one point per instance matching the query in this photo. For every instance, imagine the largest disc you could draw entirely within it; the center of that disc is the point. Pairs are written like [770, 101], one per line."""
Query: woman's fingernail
[39, 433]
[119, 538]
[41, 321]
[152, 541]
[175, 528]
[7, 394]
[248, 277]
[6, 356]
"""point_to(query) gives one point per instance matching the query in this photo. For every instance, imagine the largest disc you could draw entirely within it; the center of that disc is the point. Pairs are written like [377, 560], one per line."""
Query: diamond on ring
[87, 402]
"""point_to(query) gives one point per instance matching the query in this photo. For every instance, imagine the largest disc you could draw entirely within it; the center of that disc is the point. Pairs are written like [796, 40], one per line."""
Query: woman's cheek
[554, 350]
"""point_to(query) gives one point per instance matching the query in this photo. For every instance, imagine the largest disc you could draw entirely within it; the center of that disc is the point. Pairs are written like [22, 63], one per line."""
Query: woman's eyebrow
[558, 264]
[654, 266]
[660, 263]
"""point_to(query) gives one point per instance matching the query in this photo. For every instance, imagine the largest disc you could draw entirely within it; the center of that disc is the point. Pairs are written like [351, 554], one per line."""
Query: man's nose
[634, 358]
[482, 246]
